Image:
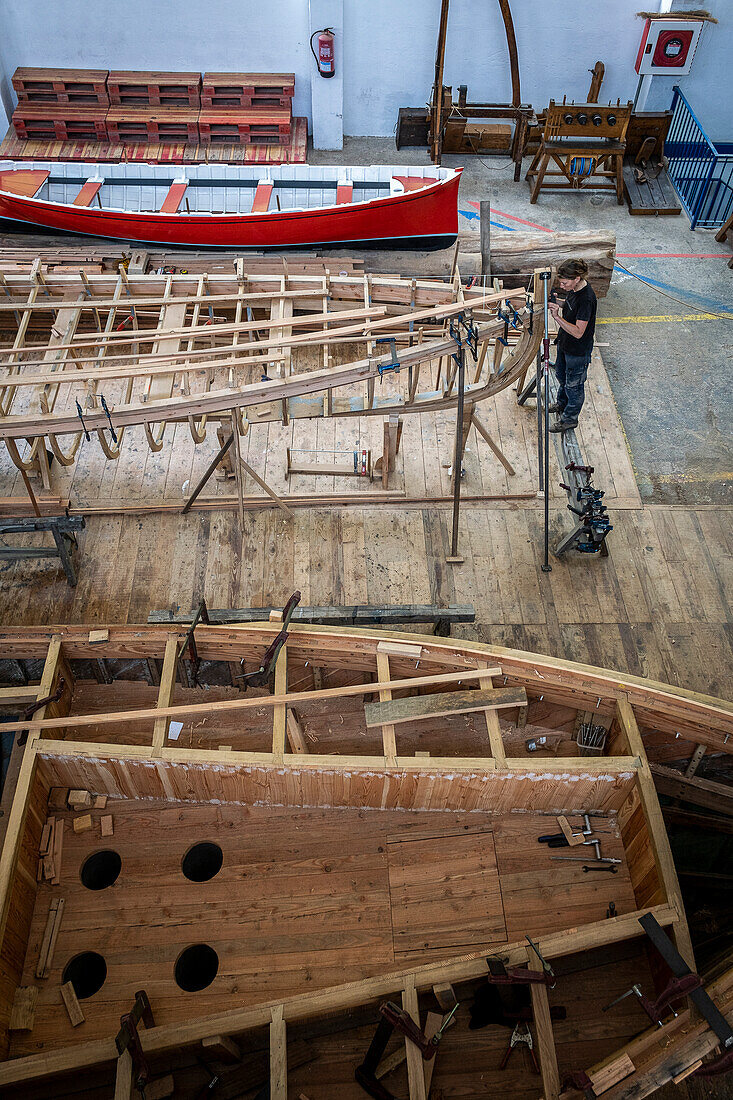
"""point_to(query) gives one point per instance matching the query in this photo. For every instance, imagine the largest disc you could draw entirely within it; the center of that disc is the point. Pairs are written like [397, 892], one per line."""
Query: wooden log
[518, 253]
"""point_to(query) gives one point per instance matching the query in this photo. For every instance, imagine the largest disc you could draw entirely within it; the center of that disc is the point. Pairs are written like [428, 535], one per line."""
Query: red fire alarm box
[668, 46]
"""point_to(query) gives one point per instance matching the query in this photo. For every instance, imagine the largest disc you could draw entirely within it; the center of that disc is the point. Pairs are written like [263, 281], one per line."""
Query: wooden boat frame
[347, 312]
[289, 774]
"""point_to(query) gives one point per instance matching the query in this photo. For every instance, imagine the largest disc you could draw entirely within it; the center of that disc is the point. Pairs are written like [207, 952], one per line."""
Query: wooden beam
[655, 826]
[389, 741]
[165, 693]
[700, 792]
[296, 739]
[278, 1055]
[79, 721]
[280, 710]
[415, 1071]
[543, 1028]
[418, 708]
[496, 741]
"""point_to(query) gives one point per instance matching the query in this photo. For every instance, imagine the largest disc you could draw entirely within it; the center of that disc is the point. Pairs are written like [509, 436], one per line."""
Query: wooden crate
[252, 125]
[127, 88]
[61, 86]
[153, 124]
[247, 89]
[60, 123]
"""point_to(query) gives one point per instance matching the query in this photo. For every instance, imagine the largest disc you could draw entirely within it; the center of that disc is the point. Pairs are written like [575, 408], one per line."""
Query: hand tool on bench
[567, 838]
[684, 983]
[521, 1034]
[269, 659]
[612, 870]
[127, 1038]
[499, 974]
[395, 1018]
[583, 859]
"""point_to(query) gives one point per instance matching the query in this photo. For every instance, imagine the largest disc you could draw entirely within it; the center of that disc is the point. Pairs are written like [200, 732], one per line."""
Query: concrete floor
[670, 378]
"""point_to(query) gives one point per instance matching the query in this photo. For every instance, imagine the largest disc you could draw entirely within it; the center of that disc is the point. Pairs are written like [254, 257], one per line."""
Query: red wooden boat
[222, 206]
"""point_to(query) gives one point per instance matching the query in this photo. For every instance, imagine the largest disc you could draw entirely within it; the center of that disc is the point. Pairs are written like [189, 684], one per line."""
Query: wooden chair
[586, 143]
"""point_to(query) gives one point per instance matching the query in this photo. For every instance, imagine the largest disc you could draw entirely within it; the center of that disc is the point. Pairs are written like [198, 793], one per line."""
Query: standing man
[577, 324]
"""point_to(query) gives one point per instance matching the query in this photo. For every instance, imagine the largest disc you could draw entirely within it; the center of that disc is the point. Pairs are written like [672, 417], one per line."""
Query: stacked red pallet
[123, 106]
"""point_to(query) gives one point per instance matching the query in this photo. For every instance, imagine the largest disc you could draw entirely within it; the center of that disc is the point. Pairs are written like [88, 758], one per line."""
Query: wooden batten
[19, 858]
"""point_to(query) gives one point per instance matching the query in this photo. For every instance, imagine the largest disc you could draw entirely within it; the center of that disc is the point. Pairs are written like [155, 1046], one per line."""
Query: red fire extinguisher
[325, 58]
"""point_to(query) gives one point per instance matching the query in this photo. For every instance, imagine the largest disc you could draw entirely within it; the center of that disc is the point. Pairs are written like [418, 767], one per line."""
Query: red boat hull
[426, 217]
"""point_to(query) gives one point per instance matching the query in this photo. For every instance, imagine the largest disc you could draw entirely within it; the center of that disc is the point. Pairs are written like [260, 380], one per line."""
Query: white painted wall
[385, 53]
[188, 35]
[389, 53]
[707, 88]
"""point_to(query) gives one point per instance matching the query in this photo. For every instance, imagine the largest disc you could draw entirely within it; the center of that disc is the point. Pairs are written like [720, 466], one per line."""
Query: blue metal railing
[702, 177]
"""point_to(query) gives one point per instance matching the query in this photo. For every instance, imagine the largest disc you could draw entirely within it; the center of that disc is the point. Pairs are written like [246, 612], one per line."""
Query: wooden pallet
[153, 124]
[57, 122]
[653, 196]
[253, 125]
[247, 89]
[61, 86]
[127, 88]
[100, 152]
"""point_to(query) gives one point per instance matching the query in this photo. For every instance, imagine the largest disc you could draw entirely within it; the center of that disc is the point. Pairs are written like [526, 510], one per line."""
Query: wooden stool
[587, 143]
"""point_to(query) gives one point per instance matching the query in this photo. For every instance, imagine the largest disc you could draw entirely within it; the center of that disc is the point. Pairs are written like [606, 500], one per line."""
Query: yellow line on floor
[663, 317]
[721, 475]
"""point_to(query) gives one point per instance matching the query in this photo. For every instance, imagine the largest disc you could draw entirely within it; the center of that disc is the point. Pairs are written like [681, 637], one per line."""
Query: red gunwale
[428, 212]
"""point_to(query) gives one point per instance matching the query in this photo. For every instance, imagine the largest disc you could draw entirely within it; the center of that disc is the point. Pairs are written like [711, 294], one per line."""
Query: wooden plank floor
[304, 899]
[658, 606]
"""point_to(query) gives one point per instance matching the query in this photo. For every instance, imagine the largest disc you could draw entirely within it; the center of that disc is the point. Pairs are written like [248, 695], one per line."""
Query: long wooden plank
[321, 1002]
[80, 720]
[700, 792]
[389, 742]
[545, 1038]
[415, 1072]
[165, 693]
[278, 1055]
[420, 707]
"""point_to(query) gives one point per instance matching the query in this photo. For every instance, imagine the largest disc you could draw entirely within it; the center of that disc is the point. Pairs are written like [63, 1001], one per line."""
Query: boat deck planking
[322, 897]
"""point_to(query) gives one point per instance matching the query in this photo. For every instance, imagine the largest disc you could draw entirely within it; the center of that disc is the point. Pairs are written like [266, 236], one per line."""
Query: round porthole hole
[101, 870]
[196, 967]
[202, 861]
[86, 972]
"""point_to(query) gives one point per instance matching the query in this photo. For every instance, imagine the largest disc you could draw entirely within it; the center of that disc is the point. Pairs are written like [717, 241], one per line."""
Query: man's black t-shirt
[579, 305]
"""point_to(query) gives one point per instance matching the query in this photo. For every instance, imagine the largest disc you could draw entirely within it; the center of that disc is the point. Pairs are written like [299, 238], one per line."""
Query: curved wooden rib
[198, 431]
[111, 451]
[155, 442]
[23, 463]
[65, 459]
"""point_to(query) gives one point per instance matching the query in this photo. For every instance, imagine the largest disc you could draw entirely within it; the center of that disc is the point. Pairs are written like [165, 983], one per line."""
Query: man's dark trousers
[571, 372]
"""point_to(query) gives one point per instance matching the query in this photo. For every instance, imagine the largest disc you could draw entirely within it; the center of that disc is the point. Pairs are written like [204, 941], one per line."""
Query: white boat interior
[220, 188]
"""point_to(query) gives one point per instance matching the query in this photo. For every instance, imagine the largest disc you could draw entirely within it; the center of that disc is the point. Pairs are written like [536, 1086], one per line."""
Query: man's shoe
[563, 425]
[554, 407]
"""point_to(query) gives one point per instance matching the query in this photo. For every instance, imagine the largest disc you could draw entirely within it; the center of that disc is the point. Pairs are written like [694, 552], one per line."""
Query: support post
[545, 276]
[485, 225]
[543, 1028]
[455, 558]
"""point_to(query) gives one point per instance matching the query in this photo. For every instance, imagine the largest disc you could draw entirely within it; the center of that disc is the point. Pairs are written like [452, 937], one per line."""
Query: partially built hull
[376, 810]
